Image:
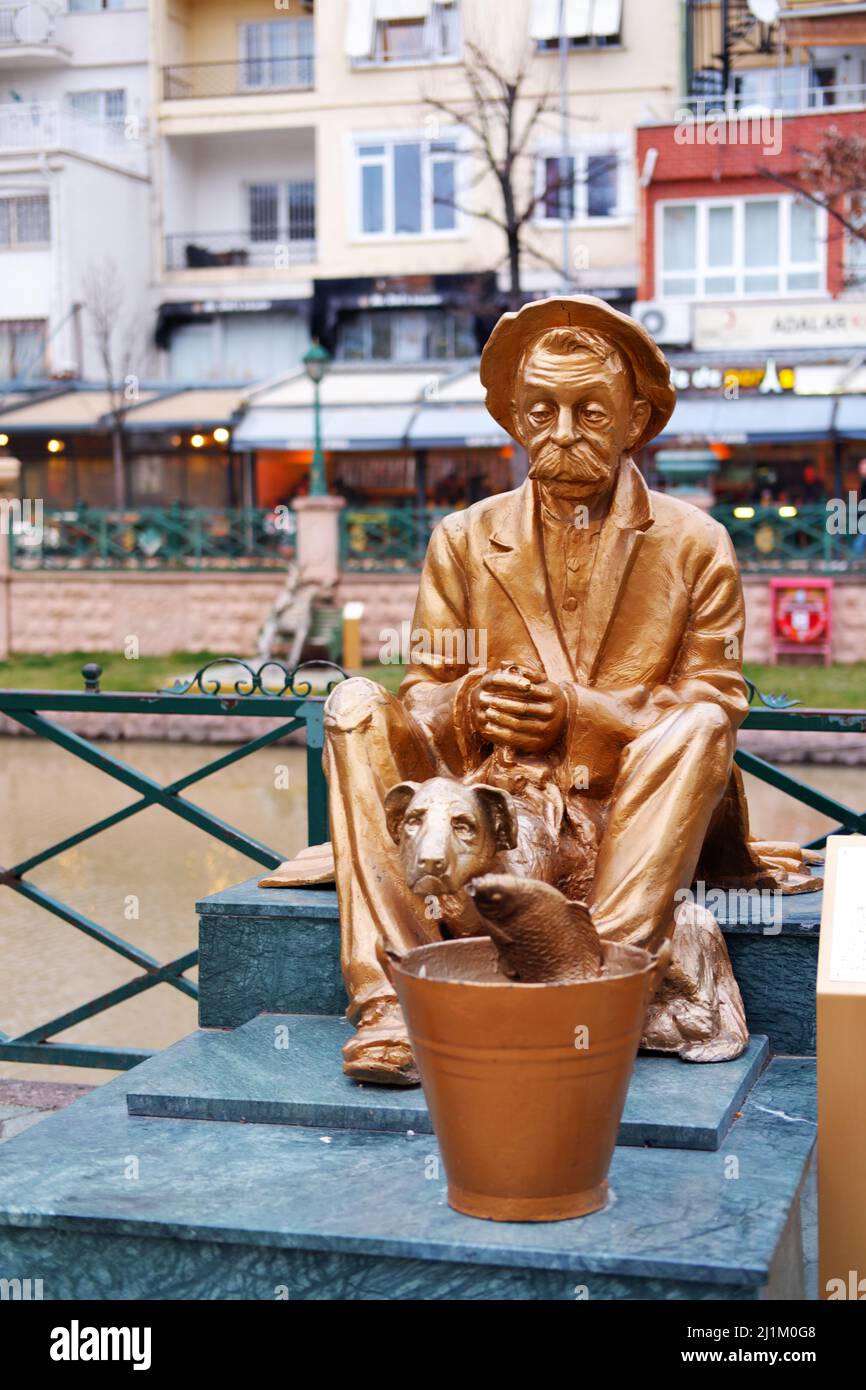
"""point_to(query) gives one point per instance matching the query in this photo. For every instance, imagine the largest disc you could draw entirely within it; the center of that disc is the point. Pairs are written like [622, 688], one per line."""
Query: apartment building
[74, 181]
[305, 181]
[758, 292]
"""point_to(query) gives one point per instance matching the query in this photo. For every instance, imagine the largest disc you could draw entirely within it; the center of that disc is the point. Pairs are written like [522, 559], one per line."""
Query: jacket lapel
[619, 544]
[515, 558]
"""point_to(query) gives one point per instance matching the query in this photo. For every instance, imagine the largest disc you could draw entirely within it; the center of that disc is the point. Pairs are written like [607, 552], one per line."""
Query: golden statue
[575, 690]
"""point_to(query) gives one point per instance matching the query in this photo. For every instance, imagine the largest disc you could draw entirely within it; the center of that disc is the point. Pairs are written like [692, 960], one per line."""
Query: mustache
[577, 464]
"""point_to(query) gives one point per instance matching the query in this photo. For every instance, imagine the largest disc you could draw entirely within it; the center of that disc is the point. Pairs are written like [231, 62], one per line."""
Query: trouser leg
[670, 782]
[371, 744]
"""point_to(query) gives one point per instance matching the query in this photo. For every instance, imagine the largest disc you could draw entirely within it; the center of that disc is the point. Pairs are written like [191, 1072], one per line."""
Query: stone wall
[61, 611]
[56, 612]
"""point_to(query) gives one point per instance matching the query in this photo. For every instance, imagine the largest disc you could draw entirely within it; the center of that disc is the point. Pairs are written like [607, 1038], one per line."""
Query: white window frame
[282, 187]
[426, 57]
[358, 139]
[739, 271]
[580, 151]
[299, 27]
[14, 243]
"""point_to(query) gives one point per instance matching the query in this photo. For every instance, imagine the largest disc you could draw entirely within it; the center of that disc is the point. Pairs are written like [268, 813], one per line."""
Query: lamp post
[316, 361]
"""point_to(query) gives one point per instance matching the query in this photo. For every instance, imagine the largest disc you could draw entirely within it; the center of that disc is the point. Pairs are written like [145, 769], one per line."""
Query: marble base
[101, 1204]
[285, 1069]
[277, 950]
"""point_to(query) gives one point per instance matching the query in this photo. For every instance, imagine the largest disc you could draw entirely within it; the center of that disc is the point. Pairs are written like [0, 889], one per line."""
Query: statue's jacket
[662, 625]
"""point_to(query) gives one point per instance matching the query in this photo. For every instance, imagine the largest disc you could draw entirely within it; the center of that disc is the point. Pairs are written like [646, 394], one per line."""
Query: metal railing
[386, 539]
[789, 539]
[793, 100]
[251, 77]
[48, 125]
[154, 538]
[290, 701]
[206, 250]
[295, 706]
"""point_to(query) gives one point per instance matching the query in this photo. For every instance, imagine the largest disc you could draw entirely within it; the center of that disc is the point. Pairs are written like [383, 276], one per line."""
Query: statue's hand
[519, 708]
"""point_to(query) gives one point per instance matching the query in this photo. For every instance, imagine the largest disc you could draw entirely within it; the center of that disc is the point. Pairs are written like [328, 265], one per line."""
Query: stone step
[101, 1204]
[285, 1069]
[277, 950]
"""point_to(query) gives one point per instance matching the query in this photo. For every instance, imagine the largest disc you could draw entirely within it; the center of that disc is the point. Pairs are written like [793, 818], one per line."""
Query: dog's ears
[500, 808]
[396, 801]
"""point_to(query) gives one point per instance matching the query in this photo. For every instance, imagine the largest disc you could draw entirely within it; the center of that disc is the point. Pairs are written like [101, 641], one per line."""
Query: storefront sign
[778, 325]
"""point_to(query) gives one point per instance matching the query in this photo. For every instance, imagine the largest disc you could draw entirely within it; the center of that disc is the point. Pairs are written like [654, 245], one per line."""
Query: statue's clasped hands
[519, 708]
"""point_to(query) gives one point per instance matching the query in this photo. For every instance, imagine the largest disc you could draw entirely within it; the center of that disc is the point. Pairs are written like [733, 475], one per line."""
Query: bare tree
[833, 177]
[503, 115]
[117, 340]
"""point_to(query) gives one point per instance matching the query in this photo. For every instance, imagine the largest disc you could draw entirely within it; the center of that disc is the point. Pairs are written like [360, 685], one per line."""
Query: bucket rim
[398, 966]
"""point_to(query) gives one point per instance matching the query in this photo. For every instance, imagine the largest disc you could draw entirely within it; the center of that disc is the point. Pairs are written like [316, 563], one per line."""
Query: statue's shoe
[379, 1053]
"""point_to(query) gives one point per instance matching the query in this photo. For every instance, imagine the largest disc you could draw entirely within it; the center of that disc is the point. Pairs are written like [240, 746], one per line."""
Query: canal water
[141, 878]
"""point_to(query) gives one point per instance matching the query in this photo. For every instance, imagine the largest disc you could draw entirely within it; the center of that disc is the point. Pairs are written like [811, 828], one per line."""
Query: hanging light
[221, 435]
[55, 446]
[197, 441]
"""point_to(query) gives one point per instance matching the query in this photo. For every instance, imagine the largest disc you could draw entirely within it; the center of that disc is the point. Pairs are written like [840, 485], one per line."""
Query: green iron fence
[155, 538]
[271, 692]
[389, 539]
[294, 704]
[784, 539]
[788, 539]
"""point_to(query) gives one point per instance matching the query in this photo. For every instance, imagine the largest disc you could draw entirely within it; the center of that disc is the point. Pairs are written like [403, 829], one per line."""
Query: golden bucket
[526, 1083]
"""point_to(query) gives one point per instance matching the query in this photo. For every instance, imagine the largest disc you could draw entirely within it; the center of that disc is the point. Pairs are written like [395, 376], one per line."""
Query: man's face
[577, 416]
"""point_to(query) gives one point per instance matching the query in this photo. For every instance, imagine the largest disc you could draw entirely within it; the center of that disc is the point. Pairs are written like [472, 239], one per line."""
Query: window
[596, 184]
[405, 335]
[25, 221]
[749, 246]
[282, 211]
[22, 349]
[402, 31]
[277, 53]
[406, 187]
[108, 106]
[588, 23]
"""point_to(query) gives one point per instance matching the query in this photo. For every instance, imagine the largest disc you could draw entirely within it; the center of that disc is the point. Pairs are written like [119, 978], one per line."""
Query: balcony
[28, 35]
[47, 125]
[252, 77]
[212, 250]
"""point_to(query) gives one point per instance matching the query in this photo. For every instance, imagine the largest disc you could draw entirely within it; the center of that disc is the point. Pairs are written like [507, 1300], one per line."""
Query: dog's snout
[431, 864]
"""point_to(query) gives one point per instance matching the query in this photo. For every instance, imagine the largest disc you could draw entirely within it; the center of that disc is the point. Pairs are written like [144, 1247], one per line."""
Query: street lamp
[315, 362]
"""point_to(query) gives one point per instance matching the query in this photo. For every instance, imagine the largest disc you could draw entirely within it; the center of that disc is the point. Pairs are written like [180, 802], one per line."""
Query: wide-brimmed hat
[514, 332]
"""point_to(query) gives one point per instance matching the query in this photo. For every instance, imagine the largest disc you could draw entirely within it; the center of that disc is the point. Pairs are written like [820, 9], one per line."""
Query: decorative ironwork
[156, 538]
[386, 539]
[254, 681]
[770, 701]
[785, 538]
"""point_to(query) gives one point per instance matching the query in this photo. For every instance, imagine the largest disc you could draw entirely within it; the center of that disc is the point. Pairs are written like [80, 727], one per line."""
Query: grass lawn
[831, 687]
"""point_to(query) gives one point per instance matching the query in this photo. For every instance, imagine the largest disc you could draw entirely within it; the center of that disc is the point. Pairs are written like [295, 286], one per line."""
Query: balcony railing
[208, 250]
[47, 125]
[792, 101]
[154, 538]
[252, 77]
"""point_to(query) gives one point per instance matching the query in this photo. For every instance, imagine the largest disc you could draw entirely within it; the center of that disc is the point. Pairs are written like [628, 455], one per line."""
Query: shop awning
[456, 426]
[751, 419]
[73, 411]
[851, 417]
[343, 427]
[186, 410]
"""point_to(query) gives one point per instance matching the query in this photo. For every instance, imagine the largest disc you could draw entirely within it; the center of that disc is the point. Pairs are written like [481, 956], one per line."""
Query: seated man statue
[605, 622]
